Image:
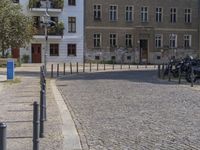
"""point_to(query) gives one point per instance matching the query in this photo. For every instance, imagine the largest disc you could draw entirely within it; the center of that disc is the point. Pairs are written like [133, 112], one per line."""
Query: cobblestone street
[132, 110]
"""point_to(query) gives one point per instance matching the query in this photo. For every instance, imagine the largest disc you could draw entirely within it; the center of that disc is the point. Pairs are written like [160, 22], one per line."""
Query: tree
[16, 29]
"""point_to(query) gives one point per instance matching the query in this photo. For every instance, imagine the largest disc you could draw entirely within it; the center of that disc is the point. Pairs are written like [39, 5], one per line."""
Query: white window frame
[96, 10]
[188, 15]
[95, 38]
[173, 15]
[158, 40]
[129, 14]
[188, 37]
[113, 13]
[111, 40]
[128, 40]
[173, 40]
[144, 14]
[159, 14]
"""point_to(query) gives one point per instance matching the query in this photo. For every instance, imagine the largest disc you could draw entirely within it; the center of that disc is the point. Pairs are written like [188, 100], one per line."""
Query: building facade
[65, 31]
[141, 31]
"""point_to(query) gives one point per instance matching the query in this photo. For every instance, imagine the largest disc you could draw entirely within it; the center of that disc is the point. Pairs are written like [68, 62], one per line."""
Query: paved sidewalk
[16, 99]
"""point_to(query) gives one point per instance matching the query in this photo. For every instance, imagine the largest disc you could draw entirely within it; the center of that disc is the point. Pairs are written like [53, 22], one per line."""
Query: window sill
[97, 20]
[96, 47]
[54, 55]
[71, 32]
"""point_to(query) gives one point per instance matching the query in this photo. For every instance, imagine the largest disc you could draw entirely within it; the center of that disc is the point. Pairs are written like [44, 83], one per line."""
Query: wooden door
[36, 53]
[15, 53]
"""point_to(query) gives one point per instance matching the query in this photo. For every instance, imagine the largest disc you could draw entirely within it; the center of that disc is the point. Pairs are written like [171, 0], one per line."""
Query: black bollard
[35, 126]
[129, 66]
[169, 73]
[83, 66]
[104, 66]
[3, 144]
[42, 113]
[57, 70]
[70, 67]
[90, 66]
[163, 68]
[40, 74]
[159, 71]
[97, 66]
[64, 69]
[137, 66]
[76, 67]
[51, 70]
[113, 67]
[179, 75]
[192, 77]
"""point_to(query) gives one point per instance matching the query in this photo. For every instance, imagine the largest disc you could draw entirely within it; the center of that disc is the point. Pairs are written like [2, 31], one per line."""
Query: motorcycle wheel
[188, 79]
[175, 74]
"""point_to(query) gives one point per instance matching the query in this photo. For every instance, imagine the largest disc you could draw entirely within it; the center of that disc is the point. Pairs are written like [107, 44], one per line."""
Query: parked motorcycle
[184, 66]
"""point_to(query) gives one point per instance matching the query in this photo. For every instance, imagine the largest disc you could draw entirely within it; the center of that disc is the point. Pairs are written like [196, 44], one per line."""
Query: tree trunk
[3, 53]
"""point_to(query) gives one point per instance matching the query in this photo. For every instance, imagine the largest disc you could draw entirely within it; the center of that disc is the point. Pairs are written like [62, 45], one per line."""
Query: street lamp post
[46, 19]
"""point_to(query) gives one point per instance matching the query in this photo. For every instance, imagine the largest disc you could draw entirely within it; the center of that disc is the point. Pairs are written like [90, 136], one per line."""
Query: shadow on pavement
[148, 76]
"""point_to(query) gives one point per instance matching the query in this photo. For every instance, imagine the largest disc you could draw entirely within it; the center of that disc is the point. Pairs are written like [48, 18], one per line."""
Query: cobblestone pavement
[16, 99]
[132, 110]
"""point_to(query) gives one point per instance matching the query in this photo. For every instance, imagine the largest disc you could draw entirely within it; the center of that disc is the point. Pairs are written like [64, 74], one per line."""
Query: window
[187, 41]
[173, 15]
[128, 57]
[72, 24]
[113, 40]
[97, 12]
[129, 13]
[71, 49]
[97, 57]
[15, 1]
[159, 14]
[54, 50]
[72, 2]
[97, 40]
[129, 40]
[144, 14]
[113, 58]
[159, 41]
[113, 13]
[36, 21]
[188, 15]
[54, 19]
[172, 40]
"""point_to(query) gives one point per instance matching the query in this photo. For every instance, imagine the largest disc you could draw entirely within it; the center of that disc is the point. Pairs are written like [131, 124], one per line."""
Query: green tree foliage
[16, 29]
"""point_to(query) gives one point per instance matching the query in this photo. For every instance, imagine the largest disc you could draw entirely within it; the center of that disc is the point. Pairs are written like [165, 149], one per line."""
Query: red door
[36, 53]
[15, 53]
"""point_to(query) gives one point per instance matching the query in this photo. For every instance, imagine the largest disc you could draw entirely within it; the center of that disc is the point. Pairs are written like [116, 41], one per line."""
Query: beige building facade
[141, 31]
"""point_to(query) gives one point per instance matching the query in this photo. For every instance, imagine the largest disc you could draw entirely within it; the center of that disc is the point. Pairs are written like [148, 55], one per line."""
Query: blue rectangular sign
[10, 69]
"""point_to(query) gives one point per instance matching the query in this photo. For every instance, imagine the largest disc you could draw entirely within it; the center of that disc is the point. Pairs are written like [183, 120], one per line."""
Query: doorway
[143, 51]
[36, 53]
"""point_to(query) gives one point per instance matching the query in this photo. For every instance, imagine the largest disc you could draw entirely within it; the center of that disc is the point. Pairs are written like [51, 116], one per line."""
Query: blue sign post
[10, 69]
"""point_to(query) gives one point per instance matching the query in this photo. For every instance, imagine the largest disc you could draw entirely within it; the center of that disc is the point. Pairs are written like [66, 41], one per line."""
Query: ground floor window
[71, 49]
[172, 40]
[97, 40]
[187, 41]
[54, 49]
[129, 40]
[158, 40]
